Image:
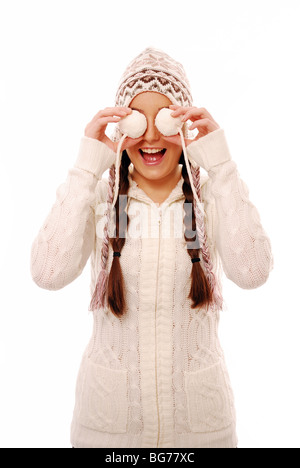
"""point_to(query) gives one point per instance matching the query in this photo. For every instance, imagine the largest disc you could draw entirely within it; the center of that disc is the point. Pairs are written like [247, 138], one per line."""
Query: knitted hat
[152, 70]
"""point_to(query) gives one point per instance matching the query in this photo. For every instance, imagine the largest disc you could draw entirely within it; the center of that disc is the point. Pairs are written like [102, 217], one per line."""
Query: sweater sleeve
[65, 241]
[240, 239]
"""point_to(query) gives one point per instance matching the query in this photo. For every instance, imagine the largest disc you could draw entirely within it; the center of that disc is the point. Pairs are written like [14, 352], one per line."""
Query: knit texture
[155, 377]
[153, 70]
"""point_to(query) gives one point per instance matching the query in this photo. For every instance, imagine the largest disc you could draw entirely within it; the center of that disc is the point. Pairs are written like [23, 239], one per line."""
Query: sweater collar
[138, 193]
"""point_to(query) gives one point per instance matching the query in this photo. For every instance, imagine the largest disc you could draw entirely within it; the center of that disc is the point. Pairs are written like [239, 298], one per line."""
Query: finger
[174, 106]
[109, 111]
[207, 123]
[106, 120]
[116, 110]
[196, 112]
[180, 111]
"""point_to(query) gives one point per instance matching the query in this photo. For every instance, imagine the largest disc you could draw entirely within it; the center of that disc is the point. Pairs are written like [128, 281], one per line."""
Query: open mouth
[152, 156]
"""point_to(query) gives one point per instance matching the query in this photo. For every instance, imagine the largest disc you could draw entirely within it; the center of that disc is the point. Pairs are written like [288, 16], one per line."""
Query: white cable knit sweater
[156, 377]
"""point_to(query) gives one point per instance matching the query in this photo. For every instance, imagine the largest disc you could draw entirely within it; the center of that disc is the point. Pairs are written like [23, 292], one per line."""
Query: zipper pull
[159, 219]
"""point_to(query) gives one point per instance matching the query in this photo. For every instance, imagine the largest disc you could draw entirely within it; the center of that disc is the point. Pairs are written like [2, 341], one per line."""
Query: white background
[60, 63]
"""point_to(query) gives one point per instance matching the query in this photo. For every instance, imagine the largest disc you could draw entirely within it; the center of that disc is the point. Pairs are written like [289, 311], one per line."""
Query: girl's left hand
[201, 120]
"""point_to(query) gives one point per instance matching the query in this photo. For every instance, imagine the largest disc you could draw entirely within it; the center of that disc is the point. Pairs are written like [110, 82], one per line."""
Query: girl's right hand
[97, 126]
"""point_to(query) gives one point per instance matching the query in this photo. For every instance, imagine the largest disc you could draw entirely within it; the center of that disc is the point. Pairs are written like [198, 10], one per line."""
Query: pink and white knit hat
[153, 70]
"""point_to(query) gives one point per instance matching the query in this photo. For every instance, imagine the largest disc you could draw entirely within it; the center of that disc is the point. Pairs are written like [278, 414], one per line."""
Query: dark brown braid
[115, 288]
[200, 293]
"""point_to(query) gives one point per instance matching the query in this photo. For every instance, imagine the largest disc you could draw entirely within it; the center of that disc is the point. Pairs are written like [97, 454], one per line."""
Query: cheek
[133, 154]
[175, 154]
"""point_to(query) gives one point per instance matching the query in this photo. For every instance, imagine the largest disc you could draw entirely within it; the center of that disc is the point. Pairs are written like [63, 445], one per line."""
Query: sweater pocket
[209, 399]
[101, 398]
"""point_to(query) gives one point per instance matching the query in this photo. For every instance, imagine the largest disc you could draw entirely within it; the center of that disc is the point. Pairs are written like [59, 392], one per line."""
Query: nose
[151, 134]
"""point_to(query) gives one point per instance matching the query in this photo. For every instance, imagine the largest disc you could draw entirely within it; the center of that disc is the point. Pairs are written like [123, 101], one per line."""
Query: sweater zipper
[156, 380]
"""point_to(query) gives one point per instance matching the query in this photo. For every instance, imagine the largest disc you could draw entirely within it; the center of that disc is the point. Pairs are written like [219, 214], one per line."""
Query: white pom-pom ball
[134, 124]
[166, 124]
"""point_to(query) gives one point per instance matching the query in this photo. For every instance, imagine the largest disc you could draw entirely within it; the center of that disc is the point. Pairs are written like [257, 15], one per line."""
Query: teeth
[151, 151]
[152, 158]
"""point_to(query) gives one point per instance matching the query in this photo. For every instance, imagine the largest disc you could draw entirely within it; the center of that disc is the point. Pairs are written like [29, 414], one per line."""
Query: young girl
[153, 373]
